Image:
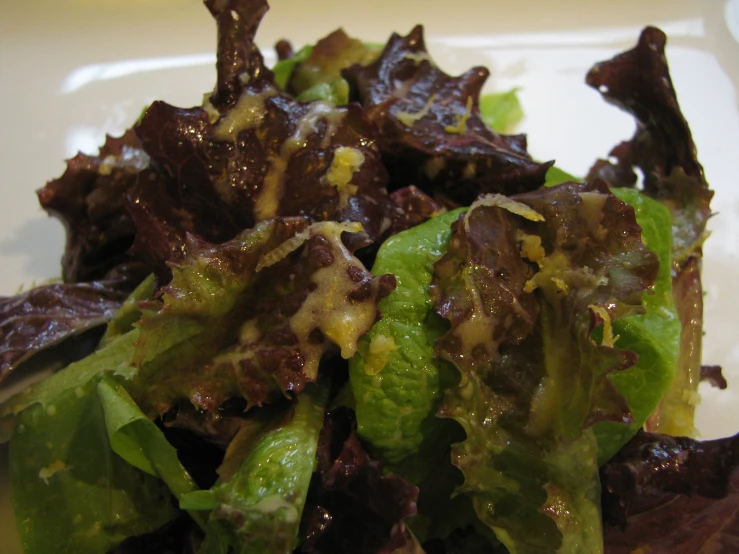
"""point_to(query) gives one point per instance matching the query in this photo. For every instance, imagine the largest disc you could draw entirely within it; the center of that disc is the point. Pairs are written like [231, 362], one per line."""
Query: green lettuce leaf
[259, 508]
[137, 440]
[317, 73]
[501, 110]
[77, 455]
[653, 335]
[662, 149]
[115, 358]
[129, 312]
[71, 492]
[283, 69]
[557, 176]
[396, 380]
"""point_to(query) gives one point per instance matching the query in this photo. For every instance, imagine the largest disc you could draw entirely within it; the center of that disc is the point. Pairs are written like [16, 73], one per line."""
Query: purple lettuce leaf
[417, 207]
[238, 59]
[352, 506]
[46, 316]
[662, 148]
[483, 275]
[672, 494]
[262, 153]
[165, 215]
[524, 283]
[88, 199]
[254, 316]
[713, 375]
[594, 270]
[430, 126]
[214, 428]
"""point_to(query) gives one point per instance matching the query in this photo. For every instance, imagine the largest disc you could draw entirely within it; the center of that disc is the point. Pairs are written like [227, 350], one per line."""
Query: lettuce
[527, 339]
[89, 201]
[501, 111]
[353, 504]
[672, 494]
[531, 387]
[433, 135]
[253, 317]
[396, 380]
[514, 370]
[48, 315]
[71, 492]
[653, 335]
[662, 148]
[193, 328]
[137, 440]
[318, 75]
[259, 508]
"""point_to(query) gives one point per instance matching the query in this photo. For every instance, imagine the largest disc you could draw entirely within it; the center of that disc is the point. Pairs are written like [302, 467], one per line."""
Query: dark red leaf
[432, 134]
[260, 153]
[352, 506]
[672, 494]
[417, 207]
[48, 315]
[88, 199]
[712, 374]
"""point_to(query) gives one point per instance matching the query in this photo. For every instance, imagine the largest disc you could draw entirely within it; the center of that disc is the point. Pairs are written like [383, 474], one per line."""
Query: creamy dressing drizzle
[591, 210]
[460, 127]
[478, 328]
[328, 307]
[273, 187]
[409, 118]
[346, 163]
[247, 113]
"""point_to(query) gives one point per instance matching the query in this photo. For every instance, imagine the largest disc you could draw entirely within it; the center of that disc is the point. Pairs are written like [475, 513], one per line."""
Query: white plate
[73, 70]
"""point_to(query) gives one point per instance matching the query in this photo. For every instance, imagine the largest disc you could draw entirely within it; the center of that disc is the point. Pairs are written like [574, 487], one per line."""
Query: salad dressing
[248, 113]
[409, 118]
[346, 163]
[273, 187]
[345, 321]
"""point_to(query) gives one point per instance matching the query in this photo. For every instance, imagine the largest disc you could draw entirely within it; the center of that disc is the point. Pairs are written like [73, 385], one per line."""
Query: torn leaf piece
[353, 505]
[264, 309]
[502, 111]
[398, 387]
[532, 379]
[45, 316]
[319, 73]
[267, 154]
[654, 335]
[89, 200]
[431, 131]
[165, 214]
[259, 508]
[662, 148]
[594, 247]
[712, 374]
[417, 207]
[478, 285]
[71, 491]
[672, 494]
[137, 440]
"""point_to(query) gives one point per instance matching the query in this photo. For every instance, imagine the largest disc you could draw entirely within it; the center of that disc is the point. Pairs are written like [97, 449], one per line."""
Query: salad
[335, 308]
